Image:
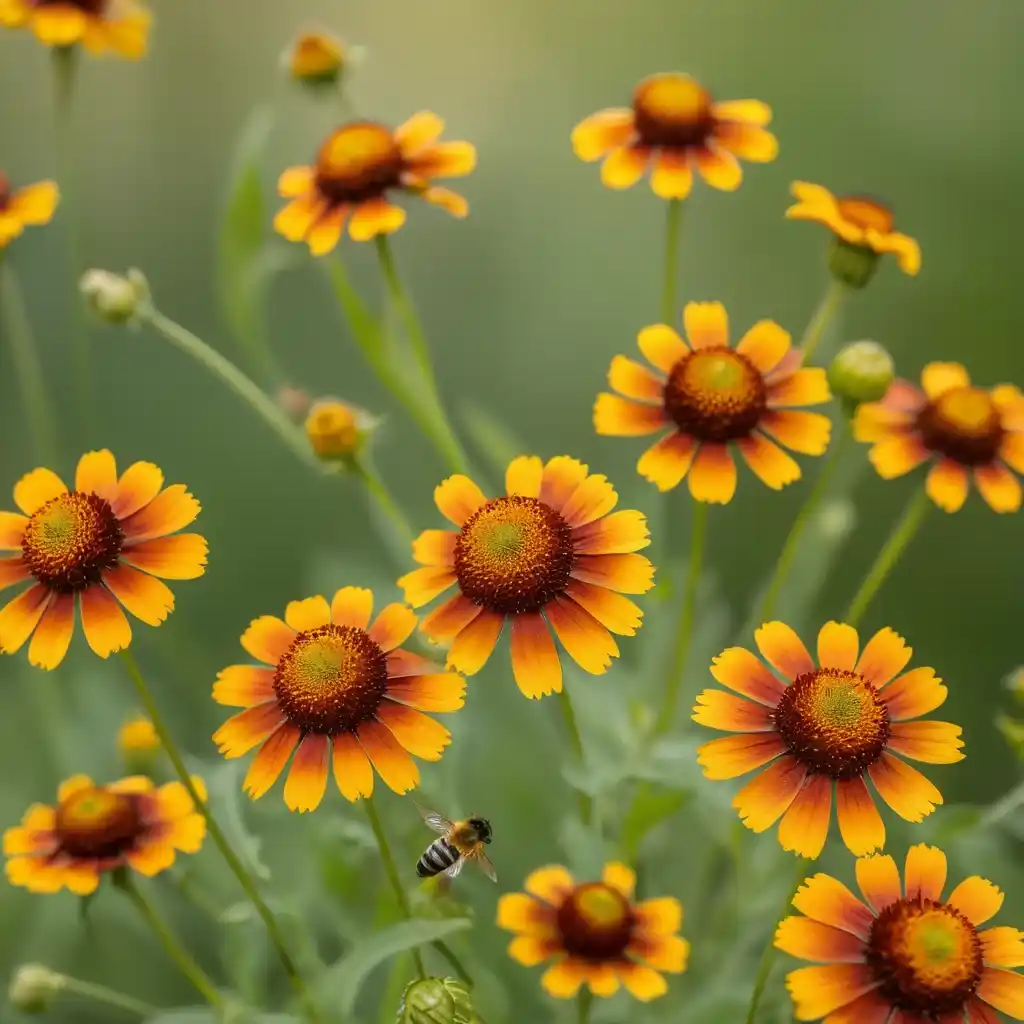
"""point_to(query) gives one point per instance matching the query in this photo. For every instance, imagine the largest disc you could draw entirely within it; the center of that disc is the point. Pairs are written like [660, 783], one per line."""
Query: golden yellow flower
[316, 57]
[31, 205]
[137, 736]
[673, 127]
[332, 428]
[101, 26]
[356, 168]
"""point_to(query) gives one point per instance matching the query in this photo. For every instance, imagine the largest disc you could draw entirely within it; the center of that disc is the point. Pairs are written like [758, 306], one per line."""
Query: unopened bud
[853, 265]
[1013, 732]
[294, 402]
[861, 372]
[334, 429]
[436, 1001]
[316, 59]
[1014, 682]
[33, 987]
[139, 744]
[115, 298]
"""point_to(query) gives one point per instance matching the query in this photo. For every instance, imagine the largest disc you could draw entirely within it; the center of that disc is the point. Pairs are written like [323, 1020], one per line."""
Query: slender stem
[1004, 806]
[27, 367]
[188, 966]
[102, 994]
[585, 998]
[827, 308]
[684, 631]
[234, 862]
[385, 500]
[673, 223]
[803, 518]
[585, 801]
[764, 968]
[392, 873]
[453, 961]
[902, 534]
[233, 377]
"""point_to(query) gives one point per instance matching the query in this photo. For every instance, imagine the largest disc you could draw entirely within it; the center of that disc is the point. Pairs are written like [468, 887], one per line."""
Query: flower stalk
[673, 226]
[821, 318]
[586, 803]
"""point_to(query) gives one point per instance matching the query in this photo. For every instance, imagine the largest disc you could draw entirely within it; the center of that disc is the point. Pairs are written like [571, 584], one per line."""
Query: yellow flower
[856, 220]
[673, 127]
[332, 428]
[548, 555]
[116, 26]
[595, 932]
[332, 687]
[904, 955]
[823, 726]
[95, 829]
[712, 397]
[316, 58]
[356, 168]
[102, 543]
[33, 204]
[137, 737]
[965, 431]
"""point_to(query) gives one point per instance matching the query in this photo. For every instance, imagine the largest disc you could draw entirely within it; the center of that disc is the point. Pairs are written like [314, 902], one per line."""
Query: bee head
[482, 827]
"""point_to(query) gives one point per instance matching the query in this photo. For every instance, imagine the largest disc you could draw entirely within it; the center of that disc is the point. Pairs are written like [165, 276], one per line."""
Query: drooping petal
[825, 899]
[672, 177]
[811, 940]
[421, 586]
[712, 478]
[267, 638]
[783, 650]
[105, 625]
[769, 794]
[352, 772]
[947, 484]
[667, 462]
[374, 217]
[885, 655]
[419, 734]
[447, 200]
[324, 234]
[627, 573]
[719, 168]
[615, 612]
[879, 881]
[473, 645]
[619, 533]
[804, 826]
[563, 980]
[633, 380]
[706, 324]
[307, 779]
[457, 498]
[1004, 990]
[925, 872]
[932, 742]
[405, 663]
[352, 606]
[240, 733]
[13, 570]
[35, 489]
[817, 991]
[52, 636]
[732, 756]
[182, 557]
[389, 757]
[146, 597]
[643, 983]
[97, 474]
[624, 167]
[621, 417]
[662, 346]
[977, 899]
[768, 461]
[999, 487]
[896, 455]
[860, 824]
[977, 1013]
[310, 613]
[904, 788]
[744, 672]
[804, 432]
[719, 710]
[438, 692]
[446, 621]
[536, 666]
[393, 626]
[523, 476]
[268, 764]
[587, 642]
[913, 694]
[19, 617]
[938, 378]
[748, 141]
[602, 132]
[872, 1008]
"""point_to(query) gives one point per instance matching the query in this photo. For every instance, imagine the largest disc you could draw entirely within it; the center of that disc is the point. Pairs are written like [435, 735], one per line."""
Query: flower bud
[334, 430]
[1014, 682]
[436, 1001]
[853, 265]
[1013, 732]
[293, 402]
[139, 744]
[316, 59]
[861, 372]
[33, 987]
[115, 298]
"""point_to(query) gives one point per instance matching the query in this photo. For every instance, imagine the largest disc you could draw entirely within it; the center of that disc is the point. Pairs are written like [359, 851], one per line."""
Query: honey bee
[460, 841]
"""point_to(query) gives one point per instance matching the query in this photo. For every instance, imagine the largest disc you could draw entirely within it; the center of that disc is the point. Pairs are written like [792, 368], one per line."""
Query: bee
[460, 841]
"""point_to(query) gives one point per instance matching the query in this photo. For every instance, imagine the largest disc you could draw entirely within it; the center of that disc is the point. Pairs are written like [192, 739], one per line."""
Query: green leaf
[653, 805]
[341, 984]
[225, 786]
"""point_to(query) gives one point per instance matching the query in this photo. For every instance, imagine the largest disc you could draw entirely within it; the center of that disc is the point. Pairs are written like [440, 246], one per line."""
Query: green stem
[233, 377]
[902, 534]
[27, 366]
[764, 968]
[392, 872]
[234, 862]
[453, 961]
[378, 492]
[800, 524]
[102, 994]
[827, 308]
[684, 631]
[673, 223]
[188, 966]
[584, 999]
[585, 802]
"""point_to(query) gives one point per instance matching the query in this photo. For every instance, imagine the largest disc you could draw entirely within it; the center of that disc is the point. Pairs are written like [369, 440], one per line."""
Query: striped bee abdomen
[438, 856]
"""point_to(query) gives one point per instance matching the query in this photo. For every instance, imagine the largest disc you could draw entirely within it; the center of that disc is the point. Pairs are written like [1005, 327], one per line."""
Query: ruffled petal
[1003, 947]
[523, 476]
[904, 788]
[838, 645]
[393, 626]
[620, 417]
[658, 917]
[457, 498]
[667, 462]
[12, 530]
[182, 557]
[885, 655]
[769, 794]
[896, 455]
[423, 129]
[473, 644]
[804, 826]
[748, 141]
[925, 872]
[825, 899]
[744, 672]
[594, 498]
[171, 510]
[712, 478]
[536, 666]
[755, 112]
[563, 980]
[662, 346]
[421, 586]
[267, 638]
[811, 940]
[783, 650]
[97, 474]
[295, 181]
[520, 913]
[913, 694]
[977, 899]
[875, 420]
[620, 877]
[352, 606]
[871, 1008]
[307, 779]
[447, 200]
[732, 756]
[860, 824]
[879, 881]
[445, 160]
[643, 983]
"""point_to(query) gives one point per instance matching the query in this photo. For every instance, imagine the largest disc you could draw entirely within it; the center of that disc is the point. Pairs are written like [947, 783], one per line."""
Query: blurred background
[525, 304]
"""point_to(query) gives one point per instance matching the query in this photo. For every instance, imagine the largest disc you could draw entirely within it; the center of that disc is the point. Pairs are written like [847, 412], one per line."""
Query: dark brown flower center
[672, 110]
[834, 722]
[962, 424]
[514, 555]
[596, 922]
[927, 957]
[93, 7]
[715, 394]
[358, 162]
[71, 541]
[865, 213]
[95, 823]
[330, 679]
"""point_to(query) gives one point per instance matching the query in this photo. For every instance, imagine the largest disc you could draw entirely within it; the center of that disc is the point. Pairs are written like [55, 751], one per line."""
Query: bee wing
[456, 868]
[484, 864]
[438, 822]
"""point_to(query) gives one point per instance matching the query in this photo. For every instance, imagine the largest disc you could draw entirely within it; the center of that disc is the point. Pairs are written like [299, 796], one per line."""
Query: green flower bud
[115, 298]
[33, 987]
[436, 1001]
[853, 265]
[861, 372]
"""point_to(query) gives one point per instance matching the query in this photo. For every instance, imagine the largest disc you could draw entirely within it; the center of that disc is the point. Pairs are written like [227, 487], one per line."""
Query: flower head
[863, 229]
[673, 127]
[356, 168]
[333, 429]
[316, 58]
[712, 397]
[824, 727]
[904, 954]
[116, 298]
[104, 542]
[964, 430]
[101, 26]
[31, 205]
[597, 934]
[861, 372]
[137, 736]
[95, 829]
[331, 686]
[33, 988]
[436, 1001]
[548, 553]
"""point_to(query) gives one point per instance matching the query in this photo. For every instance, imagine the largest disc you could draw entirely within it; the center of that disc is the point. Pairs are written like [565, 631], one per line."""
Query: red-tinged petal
[823, 898]
[473, 645]
[374, 217]
[97, 474]
[421, 586]
[659, 917]
[818, 991]
[536, 666]
[561, 476]
[615, 612]
[811, 940]
[885, 655]
[628, 574]
[182, 557]
[12, 530]
[602, 132]
[769, 794]
[352, 771]
[244, 686]
[879, 881]
[860, 824]
[441, 691]
[444, 160]
[594, 498]
[932, 742]
[870, 1008]
[624, 167]
[13, 570]
[667, 462]
[139, 484]
[977, 899]
[171, 510]
[405, 663]
[712, 477]
[977, 1013]
[19, 617]
[1004, 990]
[352, 606]
[913, 694]
[524, 476]
[938, 378]
[706, 324]
[388, 757]
[619, 533]
[732, 756]
[634, 380]
[662, 347]
[804, 432]
[1003, 947]
[268, 764]
[457, 498]
[393, 626]
[719, 168]
[719, 710]
[52, 637]
[947, 484]
[875, 420]
[925, 872]
[146, 597]
[838, 646]
[744, 672]
[768, 461]
[783, 650]
[267, 638]
[105, 625]
[672, 177]
[904, 788]
[804, 387]
[423, 129]
[896, 455]
[419, 734]
[764, 345]
[35, 489]
[748, 141]
[445, 622]
[587, 642]
[240, 733]
[804, 827]
[999, 487]
[307, 779]
[622, 417]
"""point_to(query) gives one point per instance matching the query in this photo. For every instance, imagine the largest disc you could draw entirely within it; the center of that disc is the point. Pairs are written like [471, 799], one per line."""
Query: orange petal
[925, 872]
[804, 432]
[174, 558]
[768, 795]
[999, 487]
[1003, 947]
[1004, 990]
[743, 672]
[421, 586]
[97, 474]
[520, 913]
[879, 881]
[668, 461]
[624, 167]
[473, 645]
[977, 899]
[860, 824]
[35, 489]
[748, 141]
[713, 476]
[405, 663]
[523, 476]
[804, 827]
[811, 940]
[613, 611]
[352, 606]
[602, 979]
[875, 420]
[563, 980]
[620, 877]
[933, 742]
[720, 169]
[938, 378]
[706, 324]
[768, 461]
[619, 533]
[1011, 452]
[587, 642]
[418, 733]
[423, 129]
[35, 204]
[805, 387]
[823, 898]
[294, 220]
[552, 884]
[448, 200]
[764, 345]
[458, 498]
[672, 177]
[105, 625]
[633, 380]
[621, 417]
[393, 626]
[659, 917]
[310, 613]
[140, 483]
[52, 637]
[915, 693]
[947, 485]
[12, 530]
[783, 650]
[642, 982]
[719, 710]
[977, 1013]
[754, 112]
[389, 757]
[240, 733]
[530, 950]
[594, 498]
[146, 597]
[171, 510]
[268, 764]
[307, 780]
[352, 771]
[375, 217]
[602, 132]
[296, 181]
[446, 621]
[535, 663]
[662, 346]
[325, 233]
[885, 655]
[13, 570]
[897, 455]
[838, 645]
[443, 691]
[267, 638]
[818, 991]
[628, 574]
[561, 477]
[731, 756]
[445, 160]
[904, 788]
[151, 859]
[19, 617]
